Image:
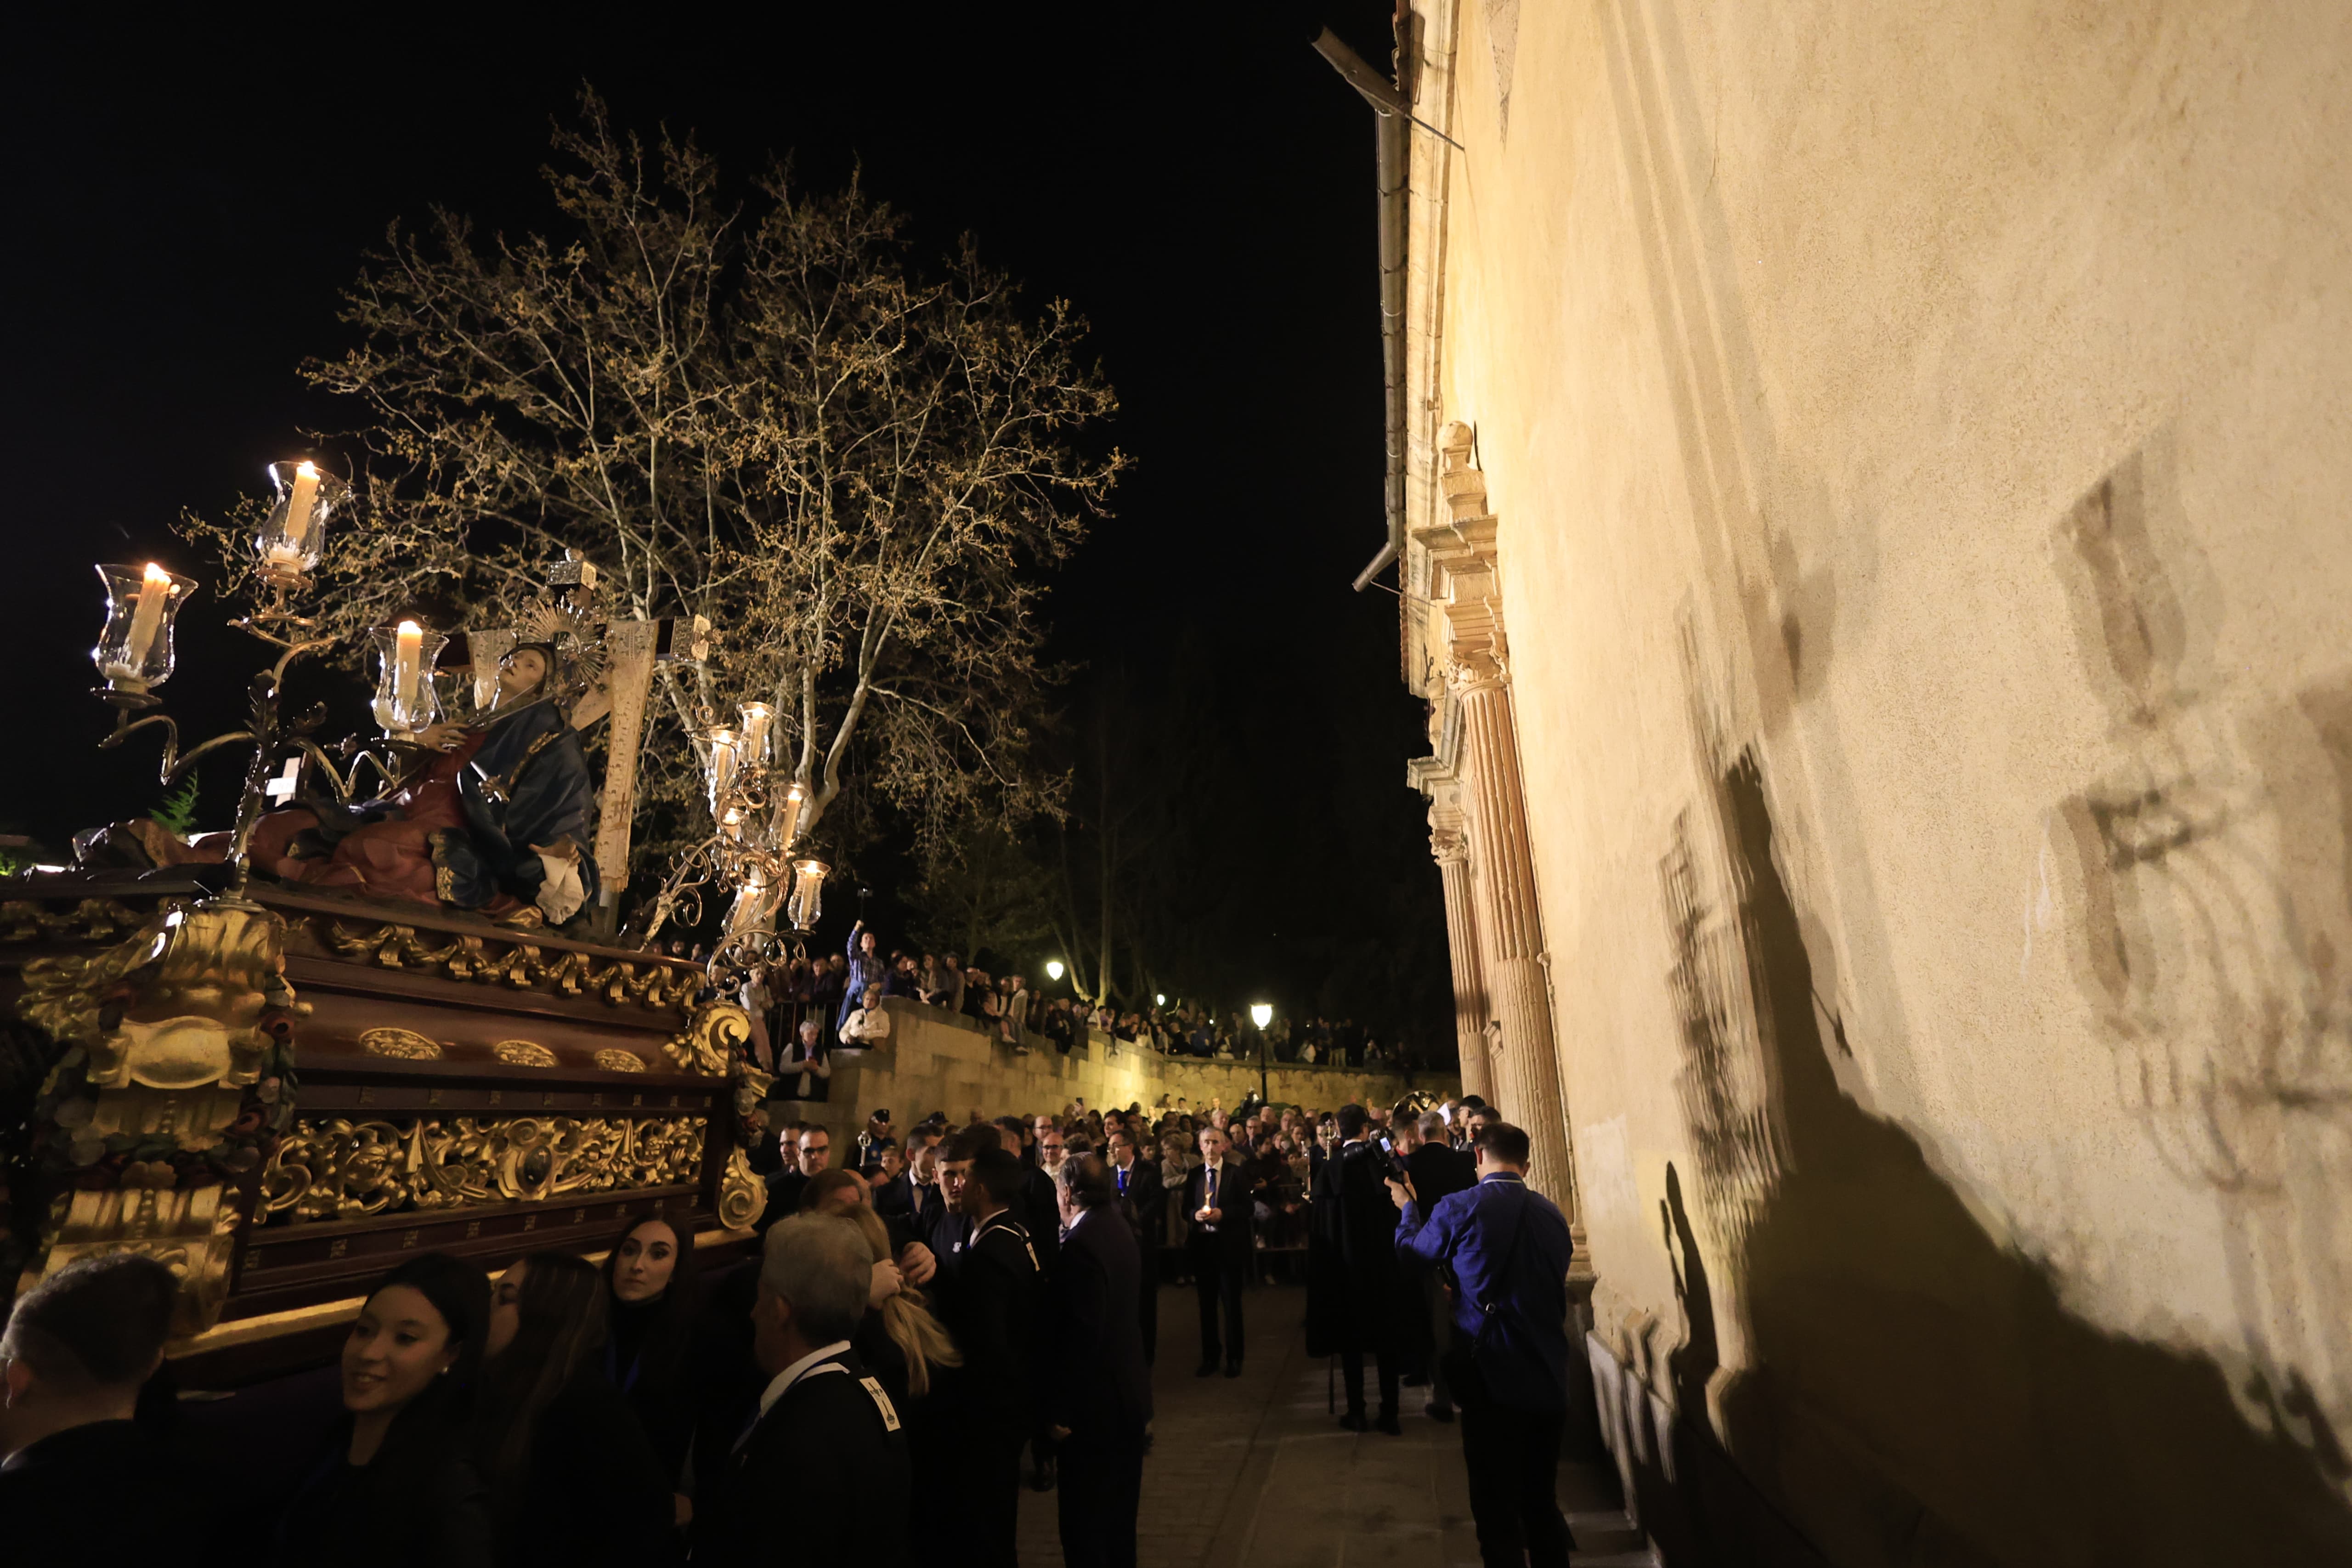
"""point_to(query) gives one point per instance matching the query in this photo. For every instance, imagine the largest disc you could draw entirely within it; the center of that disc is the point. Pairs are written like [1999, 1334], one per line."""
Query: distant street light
[1053, 969]
[1262, 1014]
[1160, 997]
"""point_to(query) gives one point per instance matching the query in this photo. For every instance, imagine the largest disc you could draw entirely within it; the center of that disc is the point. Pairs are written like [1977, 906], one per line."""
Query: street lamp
[1053, 969]
[1262, 1014]
[1160, 997]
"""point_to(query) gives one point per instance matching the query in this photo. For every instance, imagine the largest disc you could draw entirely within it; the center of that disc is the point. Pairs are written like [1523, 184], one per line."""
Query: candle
[148, 618]
[408, 652]
[757, 717]
[298, 505]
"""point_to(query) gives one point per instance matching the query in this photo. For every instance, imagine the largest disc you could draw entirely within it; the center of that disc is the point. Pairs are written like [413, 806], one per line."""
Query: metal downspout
[1392, 113]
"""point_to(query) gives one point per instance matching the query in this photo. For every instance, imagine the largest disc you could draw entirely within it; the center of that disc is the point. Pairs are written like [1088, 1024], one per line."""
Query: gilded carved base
[334, 1169]
[169, 1078]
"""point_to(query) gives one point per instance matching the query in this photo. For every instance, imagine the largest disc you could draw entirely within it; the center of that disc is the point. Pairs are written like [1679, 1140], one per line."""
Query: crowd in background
[805, 1008]
[986, 1292]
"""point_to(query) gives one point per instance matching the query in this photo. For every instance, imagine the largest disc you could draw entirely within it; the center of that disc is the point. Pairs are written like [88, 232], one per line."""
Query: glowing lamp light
[134, 648]
[405, 655]
[1053, 969]
[787, 816]
[1160, 997]
[1261, 1014]
[759, 719]
[808, 893]
[292, 536]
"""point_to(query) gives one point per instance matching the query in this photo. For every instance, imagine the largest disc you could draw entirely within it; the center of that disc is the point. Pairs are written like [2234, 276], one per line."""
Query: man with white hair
[826, 1428]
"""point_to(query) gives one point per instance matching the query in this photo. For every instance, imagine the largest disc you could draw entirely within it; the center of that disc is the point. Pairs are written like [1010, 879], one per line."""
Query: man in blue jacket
[1505, 1250]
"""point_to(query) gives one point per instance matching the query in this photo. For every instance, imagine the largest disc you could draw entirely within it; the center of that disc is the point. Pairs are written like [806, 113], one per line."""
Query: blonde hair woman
[899, 1338]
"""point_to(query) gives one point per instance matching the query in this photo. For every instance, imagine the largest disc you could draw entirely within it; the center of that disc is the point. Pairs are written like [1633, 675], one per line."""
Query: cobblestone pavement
[1255, 1472]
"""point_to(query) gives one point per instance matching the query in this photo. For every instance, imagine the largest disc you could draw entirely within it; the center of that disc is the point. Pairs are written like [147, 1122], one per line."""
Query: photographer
[1506, 1249]
[1355, 1286]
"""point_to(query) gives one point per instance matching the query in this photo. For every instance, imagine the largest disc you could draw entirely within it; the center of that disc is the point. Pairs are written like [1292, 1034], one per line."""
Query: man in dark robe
[1355, 1289]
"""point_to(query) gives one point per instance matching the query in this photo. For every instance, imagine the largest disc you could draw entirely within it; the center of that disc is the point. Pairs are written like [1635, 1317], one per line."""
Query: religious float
[366, 1023]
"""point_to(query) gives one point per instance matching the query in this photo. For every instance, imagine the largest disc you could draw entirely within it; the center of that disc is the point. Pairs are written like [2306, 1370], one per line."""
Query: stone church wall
[1919, 438]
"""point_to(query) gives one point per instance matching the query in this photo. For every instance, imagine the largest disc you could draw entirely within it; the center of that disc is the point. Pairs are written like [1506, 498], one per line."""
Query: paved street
[1255, 1472]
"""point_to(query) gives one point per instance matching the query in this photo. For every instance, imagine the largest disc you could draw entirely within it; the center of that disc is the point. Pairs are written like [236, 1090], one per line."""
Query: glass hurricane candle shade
[755, 905]
[786, 822]
[406, 697]
[808, 893]
[759, 723]
[291, 538]
[726, 757]
[134, 646]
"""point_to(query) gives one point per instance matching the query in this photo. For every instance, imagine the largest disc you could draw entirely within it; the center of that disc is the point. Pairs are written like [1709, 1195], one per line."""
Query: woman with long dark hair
[652, 1297]
[573, 1476]
[392, 1486]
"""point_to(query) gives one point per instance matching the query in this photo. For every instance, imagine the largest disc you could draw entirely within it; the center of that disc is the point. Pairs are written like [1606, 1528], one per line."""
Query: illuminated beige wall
[1921, 437]
[938, 1061]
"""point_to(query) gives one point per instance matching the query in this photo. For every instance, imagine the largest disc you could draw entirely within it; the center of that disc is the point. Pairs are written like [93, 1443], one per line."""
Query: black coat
[823, 1478]
[1040, 1209]
[784, 1190]
[1097, 1385]
[83, 1495]
[1355, 1286]
[1231, 1239]
[1439, 1171]
[992, 1302]
[592, 1489]
[419, 1501]
[1146, 1200]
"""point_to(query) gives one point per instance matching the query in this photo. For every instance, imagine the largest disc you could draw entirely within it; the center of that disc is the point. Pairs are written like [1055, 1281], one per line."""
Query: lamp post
[1262, 1014]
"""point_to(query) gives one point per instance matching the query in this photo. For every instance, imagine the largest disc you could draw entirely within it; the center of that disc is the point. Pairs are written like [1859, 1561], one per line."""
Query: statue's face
[519, 674]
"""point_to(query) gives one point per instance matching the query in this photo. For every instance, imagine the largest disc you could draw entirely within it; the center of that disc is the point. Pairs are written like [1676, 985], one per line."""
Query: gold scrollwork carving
[614, 1059]
[338, 1169]
[405, 1044]
[712, 1038]
[390, 946]
[191, 985]
[523, 1053]
[506, 960]
[91, 920]
[742, 1196]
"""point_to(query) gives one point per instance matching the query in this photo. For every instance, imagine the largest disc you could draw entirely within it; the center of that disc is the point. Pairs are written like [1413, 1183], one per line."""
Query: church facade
[1873, 542]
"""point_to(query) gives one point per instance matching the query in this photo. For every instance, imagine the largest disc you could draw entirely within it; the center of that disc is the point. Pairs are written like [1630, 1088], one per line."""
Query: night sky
[190, 198]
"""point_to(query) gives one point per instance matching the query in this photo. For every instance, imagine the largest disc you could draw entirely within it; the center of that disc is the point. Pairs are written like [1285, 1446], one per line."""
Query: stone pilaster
[1450, 845]
[1510, 928]
[1468, 646]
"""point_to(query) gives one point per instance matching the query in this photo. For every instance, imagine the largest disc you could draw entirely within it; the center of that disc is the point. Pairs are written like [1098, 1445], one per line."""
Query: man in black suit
[78, 1346]
[825, 1429]
[991, 1301]
[1098, 1393]
[1144, 1196]
[813, 1148]
[1216, 1197]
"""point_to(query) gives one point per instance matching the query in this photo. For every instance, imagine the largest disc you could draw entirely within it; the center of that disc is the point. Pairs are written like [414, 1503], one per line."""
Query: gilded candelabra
[755, 829]
[134, 655]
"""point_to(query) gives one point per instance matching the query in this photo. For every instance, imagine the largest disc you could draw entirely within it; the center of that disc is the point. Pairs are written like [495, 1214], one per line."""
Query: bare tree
[759, 413]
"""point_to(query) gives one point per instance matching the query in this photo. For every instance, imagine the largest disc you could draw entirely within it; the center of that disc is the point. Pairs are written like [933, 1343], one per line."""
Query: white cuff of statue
[562, 894]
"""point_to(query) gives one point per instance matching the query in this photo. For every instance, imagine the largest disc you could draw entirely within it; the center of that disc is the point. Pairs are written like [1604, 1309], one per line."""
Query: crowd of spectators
[805, 1008]
[988, 1291]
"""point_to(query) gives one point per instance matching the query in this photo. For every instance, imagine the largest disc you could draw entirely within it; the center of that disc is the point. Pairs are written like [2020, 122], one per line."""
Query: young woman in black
[652, 1295]
[393, 1488]
[572, 1477]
